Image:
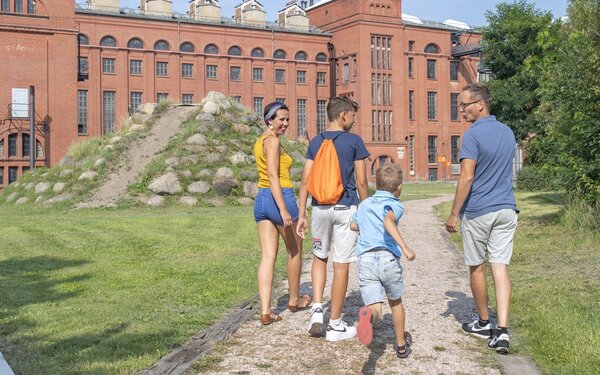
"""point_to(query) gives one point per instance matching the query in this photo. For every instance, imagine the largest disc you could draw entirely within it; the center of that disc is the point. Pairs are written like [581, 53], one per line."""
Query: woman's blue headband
[276, 107]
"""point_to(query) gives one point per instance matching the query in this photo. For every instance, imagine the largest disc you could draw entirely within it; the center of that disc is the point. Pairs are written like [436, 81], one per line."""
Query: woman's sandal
[266, 319]
[303, 304]
[404, 350]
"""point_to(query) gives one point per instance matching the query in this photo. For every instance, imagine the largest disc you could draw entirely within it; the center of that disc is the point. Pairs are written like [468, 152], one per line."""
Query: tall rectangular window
[25, 145]
[31, 6]
[411, 152]
[455, 149]
[135, 67]
[280, 100]
[13, 173]
[411, 67]
[161, 96]
[431, 105]
[432, 149]
[108, 65]
[234, 73]
[135, 99]
[211, 71]
[236, 99]
[187, 70]
[321, 78]
[162, 68]
[187, 99]
[257, 74]
[346, 72]
[83, 65]
[257, 105]
[279, 75]
[1, 176]
[431, 69]
[12, 145]
[372, 52]
[18, 6]
[373, 125]
[108, 111]
[301, 120]
[5, 6]
[411, 105]
[301, 76]
[454, 66]
[2, 148]
[321, 115]
[411, 45]
[454, 106]
[82, 111]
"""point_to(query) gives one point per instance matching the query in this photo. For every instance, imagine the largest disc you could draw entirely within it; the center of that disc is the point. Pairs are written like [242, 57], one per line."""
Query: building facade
[92, 64]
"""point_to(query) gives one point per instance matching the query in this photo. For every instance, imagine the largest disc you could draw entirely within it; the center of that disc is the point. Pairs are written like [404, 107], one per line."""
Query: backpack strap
[348, 179]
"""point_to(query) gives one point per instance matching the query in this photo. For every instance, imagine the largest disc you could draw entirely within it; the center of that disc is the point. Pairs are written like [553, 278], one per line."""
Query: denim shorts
[265, 207]
[379, 274]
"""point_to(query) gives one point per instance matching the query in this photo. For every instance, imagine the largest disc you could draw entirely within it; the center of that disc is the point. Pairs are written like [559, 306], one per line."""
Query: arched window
[432, 48]
[39, 150]
[234, 51]
[135, 43]
[161, 45]
[321, 57]
[83, 40]
[279, 54]
[108, 41]
[300, 55]
[257, 52]
[211, 49]
[186, 47]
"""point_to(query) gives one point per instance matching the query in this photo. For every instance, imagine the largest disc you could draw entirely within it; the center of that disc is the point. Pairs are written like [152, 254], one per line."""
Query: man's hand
[301, 226]
[451, 223]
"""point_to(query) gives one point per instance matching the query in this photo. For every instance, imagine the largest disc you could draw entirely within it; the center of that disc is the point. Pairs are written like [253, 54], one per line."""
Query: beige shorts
[490, 234]
[331, 233]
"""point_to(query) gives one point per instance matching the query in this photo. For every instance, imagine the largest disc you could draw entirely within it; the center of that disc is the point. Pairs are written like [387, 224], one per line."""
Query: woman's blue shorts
[265, 207]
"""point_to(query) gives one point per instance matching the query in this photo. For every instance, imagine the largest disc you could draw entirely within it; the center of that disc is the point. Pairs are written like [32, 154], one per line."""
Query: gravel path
[437, 299]
[139, 155]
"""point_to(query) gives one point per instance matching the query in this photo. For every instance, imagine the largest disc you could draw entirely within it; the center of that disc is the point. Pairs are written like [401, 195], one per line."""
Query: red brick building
[92, 64]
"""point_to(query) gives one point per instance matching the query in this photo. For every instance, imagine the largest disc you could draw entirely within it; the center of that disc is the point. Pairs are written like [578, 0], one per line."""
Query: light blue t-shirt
[350, 148]
[369, 217]
[492, 145]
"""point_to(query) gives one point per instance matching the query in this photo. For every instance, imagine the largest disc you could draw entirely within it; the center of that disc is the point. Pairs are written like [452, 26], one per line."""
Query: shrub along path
[138, 156]
[437, 300]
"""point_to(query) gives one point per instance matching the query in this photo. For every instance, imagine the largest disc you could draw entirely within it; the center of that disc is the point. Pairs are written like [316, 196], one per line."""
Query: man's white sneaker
[339, 332]
[315, 327]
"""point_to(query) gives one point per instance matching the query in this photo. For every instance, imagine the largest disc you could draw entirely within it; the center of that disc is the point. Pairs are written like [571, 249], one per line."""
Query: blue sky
[470, 11]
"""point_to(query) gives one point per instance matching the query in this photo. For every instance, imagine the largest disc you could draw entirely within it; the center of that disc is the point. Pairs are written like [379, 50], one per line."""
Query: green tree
[513, 53]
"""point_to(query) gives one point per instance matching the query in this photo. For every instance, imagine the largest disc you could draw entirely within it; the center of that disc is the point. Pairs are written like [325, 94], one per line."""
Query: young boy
[378, 249]
[330, 221]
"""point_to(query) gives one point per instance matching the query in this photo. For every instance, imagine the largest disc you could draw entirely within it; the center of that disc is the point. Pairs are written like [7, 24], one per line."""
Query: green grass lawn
[110, 291]
[555, 306]
[424, 190]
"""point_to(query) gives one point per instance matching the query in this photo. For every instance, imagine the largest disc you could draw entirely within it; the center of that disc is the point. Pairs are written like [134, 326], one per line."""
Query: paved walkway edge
[4, 367]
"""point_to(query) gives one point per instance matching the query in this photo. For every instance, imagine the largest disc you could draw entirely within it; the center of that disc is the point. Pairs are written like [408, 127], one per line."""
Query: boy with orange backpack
[333, 173]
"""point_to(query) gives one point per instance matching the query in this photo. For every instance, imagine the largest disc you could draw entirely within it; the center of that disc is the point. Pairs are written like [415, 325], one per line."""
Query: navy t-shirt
[492, 145]
[350, 148]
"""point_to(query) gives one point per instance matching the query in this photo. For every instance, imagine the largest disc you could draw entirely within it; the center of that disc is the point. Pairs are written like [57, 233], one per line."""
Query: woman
[276, 212]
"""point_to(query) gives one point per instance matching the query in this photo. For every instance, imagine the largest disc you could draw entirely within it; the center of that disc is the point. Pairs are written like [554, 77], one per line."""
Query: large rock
[186, 173]
[211, 107]
[172, 161]
[219, 127]
[42, 187]
[139, 118]
[66, 161]
[59, 187]
[66, 172]
[58, 199]
[99, 162]
[188, 201]
[245, 201]
[224, 187]
[156, 201]
[297, 156]
[199, 187]
[239, 157]
[166, 184]
[192, 159]
[216, 202]
[250, 189]
[115, 139]
[21, 201]
[147, 108]
[249, 175]
[205, 117]
[242, 128]
[205, 174]
[223, 173]
[12, 197]
[89, 175]
[29, 186]
[213, 158]
[196, 139]
[196, 149]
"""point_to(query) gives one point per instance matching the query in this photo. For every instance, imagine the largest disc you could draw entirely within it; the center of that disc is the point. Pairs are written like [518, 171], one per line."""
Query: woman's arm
[272, 149]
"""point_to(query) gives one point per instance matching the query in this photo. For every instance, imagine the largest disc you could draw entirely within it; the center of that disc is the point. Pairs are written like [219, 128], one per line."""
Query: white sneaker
[316, 322]
[342, 331]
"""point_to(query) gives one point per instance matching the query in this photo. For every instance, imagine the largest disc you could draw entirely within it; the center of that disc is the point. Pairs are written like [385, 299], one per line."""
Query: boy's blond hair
[340, 104]
[389, 177]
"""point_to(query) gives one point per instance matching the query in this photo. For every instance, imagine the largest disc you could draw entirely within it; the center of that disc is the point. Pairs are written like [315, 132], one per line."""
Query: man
[330, 222]
[485, 203]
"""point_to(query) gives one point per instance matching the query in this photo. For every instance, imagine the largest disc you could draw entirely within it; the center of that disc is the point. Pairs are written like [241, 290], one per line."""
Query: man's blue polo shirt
[369, 217]
[492, 145]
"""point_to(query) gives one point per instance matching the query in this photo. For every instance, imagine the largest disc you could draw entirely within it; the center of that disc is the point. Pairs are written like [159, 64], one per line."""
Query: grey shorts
[491, 234]
[331, 233]
[380, 274]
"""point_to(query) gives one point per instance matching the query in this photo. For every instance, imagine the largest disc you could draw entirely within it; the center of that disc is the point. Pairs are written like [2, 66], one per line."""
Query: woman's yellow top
[285, 163]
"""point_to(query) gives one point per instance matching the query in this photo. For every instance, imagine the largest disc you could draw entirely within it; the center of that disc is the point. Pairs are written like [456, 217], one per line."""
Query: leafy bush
[541, 178]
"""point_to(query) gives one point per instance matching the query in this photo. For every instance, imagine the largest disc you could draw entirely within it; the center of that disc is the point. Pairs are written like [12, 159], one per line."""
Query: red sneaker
[365, 328]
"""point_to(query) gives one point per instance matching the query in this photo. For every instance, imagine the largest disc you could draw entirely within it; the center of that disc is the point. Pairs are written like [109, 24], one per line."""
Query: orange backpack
[325, 179]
